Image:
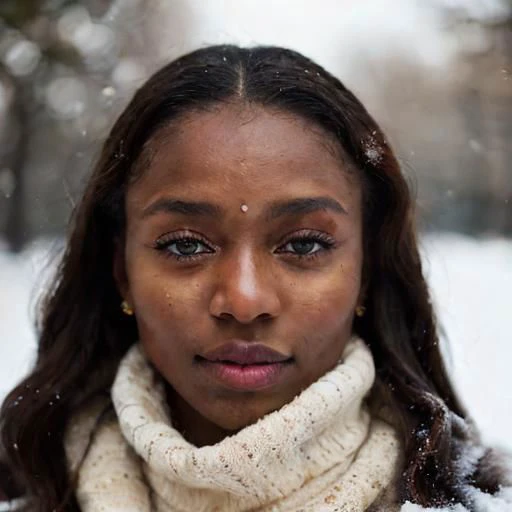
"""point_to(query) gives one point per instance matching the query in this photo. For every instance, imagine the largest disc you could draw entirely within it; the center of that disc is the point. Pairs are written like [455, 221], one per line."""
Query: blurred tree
[61, 69]
[17, 35]
[68, 66]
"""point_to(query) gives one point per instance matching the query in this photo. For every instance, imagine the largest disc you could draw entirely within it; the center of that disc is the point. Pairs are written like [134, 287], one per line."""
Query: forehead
[251, 152]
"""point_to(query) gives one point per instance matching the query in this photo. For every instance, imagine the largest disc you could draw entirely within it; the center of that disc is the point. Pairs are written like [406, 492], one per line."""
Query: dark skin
[289, 278]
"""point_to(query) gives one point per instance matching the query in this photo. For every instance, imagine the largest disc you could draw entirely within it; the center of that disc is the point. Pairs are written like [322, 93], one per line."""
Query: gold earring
[360, 310]
[127, 310]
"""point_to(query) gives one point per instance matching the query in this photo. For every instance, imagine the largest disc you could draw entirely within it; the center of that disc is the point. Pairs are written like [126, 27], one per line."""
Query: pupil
[186, 247]
[303, 246]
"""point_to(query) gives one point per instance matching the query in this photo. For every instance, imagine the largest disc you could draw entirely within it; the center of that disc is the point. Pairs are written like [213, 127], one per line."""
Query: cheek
[161, 305]
[329, 316]
[332, 297]
[168, 326]
[325, 314]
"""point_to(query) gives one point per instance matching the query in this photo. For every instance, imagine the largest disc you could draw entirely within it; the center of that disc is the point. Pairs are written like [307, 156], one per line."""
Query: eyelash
[326, 242]
[164, 242]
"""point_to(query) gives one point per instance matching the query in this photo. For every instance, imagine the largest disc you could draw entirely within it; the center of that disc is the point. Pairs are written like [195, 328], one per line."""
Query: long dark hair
[83, 335]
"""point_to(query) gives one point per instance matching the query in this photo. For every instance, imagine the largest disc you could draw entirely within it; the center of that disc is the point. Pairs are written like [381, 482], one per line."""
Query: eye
[182, 247]
[302, 246]
[308, 244]
[186, 247]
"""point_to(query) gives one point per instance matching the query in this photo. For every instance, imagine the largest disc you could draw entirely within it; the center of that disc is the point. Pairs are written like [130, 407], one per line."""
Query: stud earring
[360, 311]
[126, 308]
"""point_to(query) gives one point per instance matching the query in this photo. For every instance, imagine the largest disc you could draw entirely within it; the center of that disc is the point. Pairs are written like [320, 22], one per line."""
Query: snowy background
[471, 282]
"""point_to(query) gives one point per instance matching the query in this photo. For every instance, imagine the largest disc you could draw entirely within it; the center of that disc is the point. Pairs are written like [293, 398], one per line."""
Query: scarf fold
[320, 452]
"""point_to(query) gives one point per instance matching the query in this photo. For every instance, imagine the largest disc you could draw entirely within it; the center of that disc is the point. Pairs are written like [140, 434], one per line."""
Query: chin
[239, 418]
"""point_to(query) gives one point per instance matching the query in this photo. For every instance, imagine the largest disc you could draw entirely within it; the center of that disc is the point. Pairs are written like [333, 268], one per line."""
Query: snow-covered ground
[471, 281]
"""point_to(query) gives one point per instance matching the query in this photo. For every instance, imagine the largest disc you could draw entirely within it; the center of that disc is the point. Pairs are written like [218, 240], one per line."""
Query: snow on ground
[471, 281]
[21, 279]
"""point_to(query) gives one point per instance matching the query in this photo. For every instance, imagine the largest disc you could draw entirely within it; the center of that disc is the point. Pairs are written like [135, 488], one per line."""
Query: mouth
[245, 366]
[244, 353]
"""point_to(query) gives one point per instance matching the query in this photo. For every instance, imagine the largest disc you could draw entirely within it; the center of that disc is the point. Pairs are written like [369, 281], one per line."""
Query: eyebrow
[192, 208]
[298, 206]
[303, 205]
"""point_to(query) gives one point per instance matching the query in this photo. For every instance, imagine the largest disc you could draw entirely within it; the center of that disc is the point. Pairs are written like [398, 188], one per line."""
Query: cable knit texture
[321, 452]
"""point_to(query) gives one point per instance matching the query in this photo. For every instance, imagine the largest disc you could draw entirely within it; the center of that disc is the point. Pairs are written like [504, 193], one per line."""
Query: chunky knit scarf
[321, 452]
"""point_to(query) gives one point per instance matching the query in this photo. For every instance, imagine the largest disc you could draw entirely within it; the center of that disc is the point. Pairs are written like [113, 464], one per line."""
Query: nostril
[243, 309]
[225, 316]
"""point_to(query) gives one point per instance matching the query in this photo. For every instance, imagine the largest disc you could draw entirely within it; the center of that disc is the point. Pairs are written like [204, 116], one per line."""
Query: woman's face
[242, 260]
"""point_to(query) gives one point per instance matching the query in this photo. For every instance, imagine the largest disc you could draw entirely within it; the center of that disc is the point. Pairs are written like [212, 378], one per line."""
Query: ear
[365, 282]
[119, 270]
[361, 299]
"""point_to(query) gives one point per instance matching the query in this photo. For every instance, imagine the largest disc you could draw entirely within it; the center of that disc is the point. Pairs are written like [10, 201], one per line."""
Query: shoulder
[9, 493]
[478, 491]
[81, 428]
[16, 505]
[478, 501]
[387, 501]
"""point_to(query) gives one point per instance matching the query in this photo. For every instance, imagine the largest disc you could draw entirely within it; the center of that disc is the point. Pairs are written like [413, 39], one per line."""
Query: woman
[247, 226]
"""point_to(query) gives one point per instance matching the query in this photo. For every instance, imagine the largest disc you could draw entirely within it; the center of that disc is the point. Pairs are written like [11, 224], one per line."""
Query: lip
[245, 366]
[245, 353]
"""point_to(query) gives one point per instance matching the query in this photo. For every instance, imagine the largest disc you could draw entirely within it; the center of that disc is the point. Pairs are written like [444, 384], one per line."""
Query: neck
[193, 426]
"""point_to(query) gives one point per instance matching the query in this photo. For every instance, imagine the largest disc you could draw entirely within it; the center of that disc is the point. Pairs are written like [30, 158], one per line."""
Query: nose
[245, 290]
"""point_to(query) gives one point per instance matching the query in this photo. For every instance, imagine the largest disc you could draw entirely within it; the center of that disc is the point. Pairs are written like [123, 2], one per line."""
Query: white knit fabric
[321, 452]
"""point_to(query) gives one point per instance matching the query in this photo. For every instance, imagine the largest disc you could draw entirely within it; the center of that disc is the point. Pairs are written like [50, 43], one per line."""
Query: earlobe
[365, 284]
[361, 299]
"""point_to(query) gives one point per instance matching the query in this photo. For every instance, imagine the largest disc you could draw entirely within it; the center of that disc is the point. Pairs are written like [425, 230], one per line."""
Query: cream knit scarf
[321, 452]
